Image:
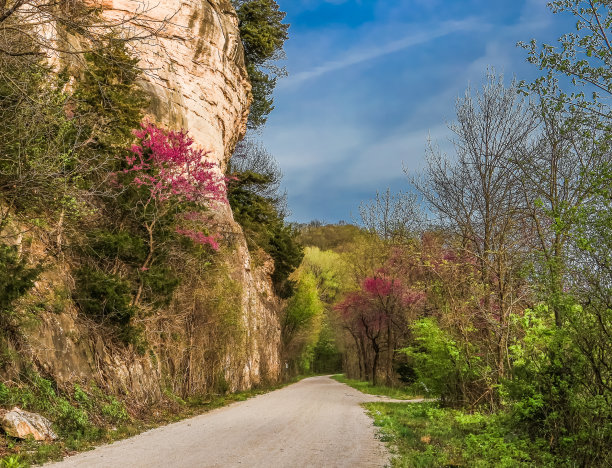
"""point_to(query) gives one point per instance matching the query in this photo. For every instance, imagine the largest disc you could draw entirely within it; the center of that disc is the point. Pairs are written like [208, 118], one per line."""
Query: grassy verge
[424, 435]
[85, 418]
[367, 387]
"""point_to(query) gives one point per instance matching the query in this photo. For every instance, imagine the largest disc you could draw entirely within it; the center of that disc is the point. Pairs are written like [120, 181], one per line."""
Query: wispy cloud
[372, 53]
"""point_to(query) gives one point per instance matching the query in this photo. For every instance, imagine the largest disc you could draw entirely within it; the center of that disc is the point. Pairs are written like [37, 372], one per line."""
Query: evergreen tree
[109, 104]
[253, 194]
[263, 35]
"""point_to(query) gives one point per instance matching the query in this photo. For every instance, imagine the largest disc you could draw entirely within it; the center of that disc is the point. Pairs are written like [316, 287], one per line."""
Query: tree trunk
[390, 349]
[376, 349]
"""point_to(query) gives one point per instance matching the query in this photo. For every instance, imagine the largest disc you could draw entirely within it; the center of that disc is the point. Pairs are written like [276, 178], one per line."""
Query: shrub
[159, 284]
[553, 394]
[111, 245]
[441, 366]
[16, 276]
[13, 461]
[115, 411]
[107, 299]
[103, 297]
[73, 415]
[71, 420]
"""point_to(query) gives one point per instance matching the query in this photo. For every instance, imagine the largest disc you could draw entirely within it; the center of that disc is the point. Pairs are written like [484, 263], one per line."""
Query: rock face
[22, 424]
[195, 68]
[197, 80]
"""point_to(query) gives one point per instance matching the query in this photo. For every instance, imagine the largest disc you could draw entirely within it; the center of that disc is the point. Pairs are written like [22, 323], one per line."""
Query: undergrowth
[424, 435]
[400, 393]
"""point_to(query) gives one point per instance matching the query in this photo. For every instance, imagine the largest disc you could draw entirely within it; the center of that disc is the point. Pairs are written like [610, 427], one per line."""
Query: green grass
[424, 435]
[367, 387]
[87, 418]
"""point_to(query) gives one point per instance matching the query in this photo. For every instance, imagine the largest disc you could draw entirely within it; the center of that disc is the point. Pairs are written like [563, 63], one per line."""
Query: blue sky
[369, 80]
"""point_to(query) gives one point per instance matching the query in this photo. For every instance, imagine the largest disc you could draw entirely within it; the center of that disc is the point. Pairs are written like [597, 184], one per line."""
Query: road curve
[316, 422]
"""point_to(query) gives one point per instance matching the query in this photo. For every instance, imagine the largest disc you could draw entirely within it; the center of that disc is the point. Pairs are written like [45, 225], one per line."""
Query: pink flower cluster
[379, 300]
[199, 237]
[378, 286]
[167, 164]
[383, 287]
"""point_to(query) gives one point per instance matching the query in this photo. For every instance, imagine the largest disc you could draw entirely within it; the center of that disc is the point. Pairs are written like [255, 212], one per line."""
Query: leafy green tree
[104, 297]
[330, 270]
[337, 237]
[116, 274]
[109, 105]
[332, 277]
[327, 357]
[36, 139]
[301, 324]
[265, 228]
[583, 56]
[552, 173]
[254, 212]
[562, 390]
[253, 192]
[439, 363]
[287, 254]
[263, 35]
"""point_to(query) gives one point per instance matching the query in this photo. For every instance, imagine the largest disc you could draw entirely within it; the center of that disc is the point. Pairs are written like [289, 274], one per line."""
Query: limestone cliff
[196, 77]
[194, 67]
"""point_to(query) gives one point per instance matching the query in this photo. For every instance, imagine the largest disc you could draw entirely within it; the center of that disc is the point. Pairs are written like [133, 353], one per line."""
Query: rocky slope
[196, 77]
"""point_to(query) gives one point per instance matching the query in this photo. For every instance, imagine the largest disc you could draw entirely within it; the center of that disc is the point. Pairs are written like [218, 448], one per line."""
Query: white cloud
[383, 161]
[535, 15]
[308, 153]
[371, 53]
[340, 138]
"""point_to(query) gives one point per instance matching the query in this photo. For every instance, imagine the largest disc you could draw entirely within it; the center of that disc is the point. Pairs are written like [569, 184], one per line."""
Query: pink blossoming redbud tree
[370, 314]
[173, 171]
[168, 164]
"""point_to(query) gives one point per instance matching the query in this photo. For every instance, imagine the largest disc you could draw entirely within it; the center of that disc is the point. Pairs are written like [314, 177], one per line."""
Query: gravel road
[316, 422]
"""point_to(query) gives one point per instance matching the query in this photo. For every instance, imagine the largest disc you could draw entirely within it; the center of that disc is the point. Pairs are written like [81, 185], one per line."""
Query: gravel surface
[316, 422]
